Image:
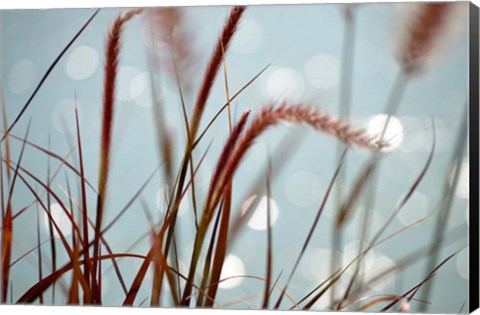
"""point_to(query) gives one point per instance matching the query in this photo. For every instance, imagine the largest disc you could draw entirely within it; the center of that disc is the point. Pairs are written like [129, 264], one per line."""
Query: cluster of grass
[215, 227]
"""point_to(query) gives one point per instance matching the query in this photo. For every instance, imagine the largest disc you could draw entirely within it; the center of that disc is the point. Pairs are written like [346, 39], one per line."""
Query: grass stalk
[446, 203]
[112, 55]
[345, 96]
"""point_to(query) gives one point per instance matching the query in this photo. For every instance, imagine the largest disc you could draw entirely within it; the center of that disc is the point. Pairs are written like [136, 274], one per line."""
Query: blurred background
[302, 44]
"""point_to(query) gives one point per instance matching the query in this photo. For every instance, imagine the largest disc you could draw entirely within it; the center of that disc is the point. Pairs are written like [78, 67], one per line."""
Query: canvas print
[284, 157]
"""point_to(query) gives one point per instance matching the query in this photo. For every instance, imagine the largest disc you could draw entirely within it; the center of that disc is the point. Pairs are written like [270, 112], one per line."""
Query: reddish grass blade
[39, 251]
[290, 144]
[221, 247]
[2, 193]
[225, 106]
[6, 134]
[169, 217]
[211, 203]
[104, 243]
[200, 291]
[208, 258]
[62, 160]
[84, 211]
[112, 55]
[53, 250]
[160, 262]
[377, 301]
[187, 128]
[6, 252]
[225, 210]
[7, 230]
[57, 171]
[47, 73]
[40, 287]
[209, 78]
[268, 271]
[224, 41]
[73, 295]
[51, 219]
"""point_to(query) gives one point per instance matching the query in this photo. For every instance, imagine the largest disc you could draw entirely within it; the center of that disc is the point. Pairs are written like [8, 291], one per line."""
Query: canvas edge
[474, 156]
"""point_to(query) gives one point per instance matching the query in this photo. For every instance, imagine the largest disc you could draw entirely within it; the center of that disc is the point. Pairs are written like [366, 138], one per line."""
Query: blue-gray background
[303, 45]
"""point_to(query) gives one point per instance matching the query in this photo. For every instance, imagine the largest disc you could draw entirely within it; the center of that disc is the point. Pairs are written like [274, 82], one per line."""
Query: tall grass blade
[112, 55]
[7, 229]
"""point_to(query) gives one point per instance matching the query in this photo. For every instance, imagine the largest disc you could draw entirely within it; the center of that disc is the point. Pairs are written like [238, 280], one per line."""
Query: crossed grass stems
[215, 228]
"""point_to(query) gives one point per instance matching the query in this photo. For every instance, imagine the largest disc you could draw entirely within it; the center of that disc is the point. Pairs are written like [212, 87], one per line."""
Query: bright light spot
[462, 264]
[463, 185]
[163, 197]
[393, 136]
[313, 266]
[248, 37]
[382, 264]
[21, 76]
[285, 83]
[415, 209]
[258, 220]
[323, 71]
[141, 89]
[414, 134]
[232, 266]
[125, 77]
[63, 119]
[350, 252]
[303, 189]
[60, 218]
[82, 63]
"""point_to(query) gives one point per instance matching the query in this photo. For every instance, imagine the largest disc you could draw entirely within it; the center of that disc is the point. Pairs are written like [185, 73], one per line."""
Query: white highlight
[258, 220]
[382, 264]
[82, 63]
[125, 77]
[350, 252]
[141, 89]
[463, 185]
[60, 218]
[285, 83]
[393, 136]
[232, 266]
